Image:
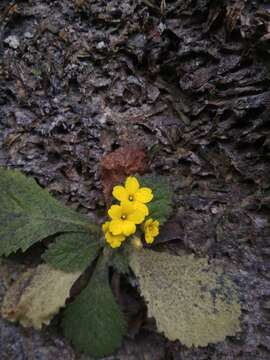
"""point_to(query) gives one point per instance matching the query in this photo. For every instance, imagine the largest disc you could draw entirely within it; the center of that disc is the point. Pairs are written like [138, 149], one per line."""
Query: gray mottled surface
[80, 78]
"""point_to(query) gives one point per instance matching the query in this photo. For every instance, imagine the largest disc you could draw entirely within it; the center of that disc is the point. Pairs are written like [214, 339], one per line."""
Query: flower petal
[120, 193]
[127, 207]
[155, 228]
[147, 223]
[128, 228]
[141, 207]
[114, 240]
[109, 237]
[137, 217]
[144, 195]
[105, 226]
[115, 212]
[132, 185]
[120, 238]
[155, 231]
[116, 227]
[148, 238]
[115, 244]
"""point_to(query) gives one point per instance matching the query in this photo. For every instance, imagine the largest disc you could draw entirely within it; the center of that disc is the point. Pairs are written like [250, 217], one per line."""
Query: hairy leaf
[190, 301]
[94, 322]
[120, 261]
[72, 251]
[160, 207]
[29, 213]
[37, 295]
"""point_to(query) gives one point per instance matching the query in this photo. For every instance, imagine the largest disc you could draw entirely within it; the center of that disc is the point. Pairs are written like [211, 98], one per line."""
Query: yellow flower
[114, 240]
[124, 218]
[132, 193]
[151, 230]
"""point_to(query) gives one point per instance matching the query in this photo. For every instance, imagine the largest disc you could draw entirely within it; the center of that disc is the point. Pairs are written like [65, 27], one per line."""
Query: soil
[186, 79]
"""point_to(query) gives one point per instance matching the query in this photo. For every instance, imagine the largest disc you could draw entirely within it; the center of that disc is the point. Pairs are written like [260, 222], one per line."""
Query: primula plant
[129, 214]
[191, 300]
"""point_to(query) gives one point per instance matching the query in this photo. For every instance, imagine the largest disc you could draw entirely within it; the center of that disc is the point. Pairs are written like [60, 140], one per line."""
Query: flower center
[123, 216]
[130, 198]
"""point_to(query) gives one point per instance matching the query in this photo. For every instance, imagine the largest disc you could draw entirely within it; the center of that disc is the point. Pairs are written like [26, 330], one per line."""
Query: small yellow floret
[151, 230]
[113, 240]
[124, 217]
[134, 194]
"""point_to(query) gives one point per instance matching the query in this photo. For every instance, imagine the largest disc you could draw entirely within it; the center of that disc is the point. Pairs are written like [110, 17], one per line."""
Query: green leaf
[160, 207]
[29, 213]
[94, 322]
[72, 251]
[191, 300]
[120, 261]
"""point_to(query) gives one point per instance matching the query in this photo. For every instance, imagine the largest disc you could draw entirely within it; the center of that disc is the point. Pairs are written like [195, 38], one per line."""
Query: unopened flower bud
[137, 243]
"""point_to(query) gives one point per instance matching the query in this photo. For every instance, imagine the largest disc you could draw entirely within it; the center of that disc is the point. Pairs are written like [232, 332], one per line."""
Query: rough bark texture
[187, 79]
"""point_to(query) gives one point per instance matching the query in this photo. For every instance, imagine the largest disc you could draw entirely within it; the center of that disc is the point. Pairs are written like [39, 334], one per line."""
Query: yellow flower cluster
[131, 211]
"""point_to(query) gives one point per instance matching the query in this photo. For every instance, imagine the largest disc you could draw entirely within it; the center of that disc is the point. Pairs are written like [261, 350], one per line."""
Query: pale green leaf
[72, 251]
[191, 301]
[29, 213]
[37, 295]
[94, 322]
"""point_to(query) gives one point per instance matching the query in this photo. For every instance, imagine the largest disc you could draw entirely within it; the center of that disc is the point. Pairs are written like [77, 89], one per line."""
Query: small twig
[163, 7]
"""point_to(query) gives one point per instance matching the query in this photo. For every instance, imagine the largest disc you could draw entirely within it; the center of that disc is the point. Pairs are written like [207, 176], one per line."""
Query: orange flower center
[130, 198]
[123, 216]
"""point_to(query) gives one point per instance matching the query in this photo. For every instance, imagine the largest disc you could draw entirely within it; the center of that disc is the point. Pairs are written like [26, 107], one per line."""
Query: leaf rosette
[185, 295]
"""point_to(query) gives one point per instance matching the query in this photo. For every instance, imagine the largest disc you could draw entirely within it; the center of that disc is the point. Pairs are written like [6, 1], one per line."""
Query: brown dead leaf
[37, 295]
[119, 164]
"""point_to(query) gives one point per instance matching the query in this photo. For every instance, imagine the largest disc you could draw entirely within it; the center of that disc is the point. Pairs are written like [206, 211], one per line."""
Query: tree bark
[187, 79]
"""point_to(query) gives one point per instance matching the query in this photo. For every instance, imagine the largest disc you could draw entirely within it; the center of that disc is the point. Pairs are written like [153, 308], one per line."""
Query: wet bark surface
[189, 81]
